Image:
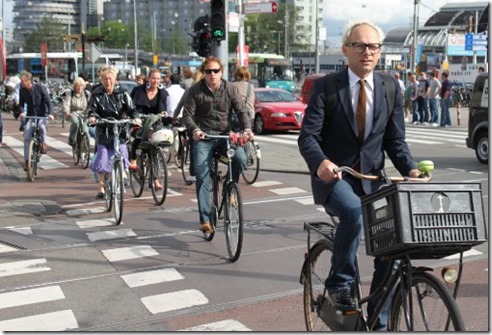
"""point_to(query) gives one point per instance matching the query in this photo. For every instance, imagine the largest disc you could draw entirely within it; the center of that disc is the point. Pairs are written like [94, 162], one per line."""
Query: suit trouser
[344, 202]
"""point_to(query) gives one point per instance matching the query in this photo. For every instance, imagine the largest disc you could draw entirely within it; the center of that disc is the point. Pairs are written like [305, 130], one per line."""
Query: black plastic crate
[425, 220]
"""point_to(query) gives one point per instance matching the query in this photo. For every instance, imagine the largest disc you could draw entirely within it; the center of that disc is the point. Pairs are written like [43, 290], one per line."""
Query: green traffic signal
[218, 33]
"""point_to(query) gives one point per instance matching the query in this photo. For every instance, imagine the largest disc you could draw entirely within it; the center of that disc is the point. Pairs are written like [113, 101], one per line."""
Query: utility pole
[135, 33]
[415, 36]
[316, 44]
[241, 34]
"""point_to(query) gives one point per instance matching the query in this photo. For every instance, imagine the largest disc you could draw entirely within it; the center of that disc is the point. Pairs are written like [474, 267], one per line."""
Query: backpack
[389, 82]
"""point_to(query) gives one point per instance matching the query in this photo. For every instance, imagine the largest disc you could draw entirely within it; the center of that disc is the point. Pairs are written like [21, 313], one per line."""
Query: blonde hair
[242, 73]
[108, 69]
[197, 76]
[79, 82]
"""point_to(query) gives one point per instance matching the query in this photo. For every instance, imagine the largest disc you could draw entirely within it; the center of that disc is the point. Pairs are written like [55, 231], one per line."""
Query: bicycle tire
[85, 151]
[233, 221]
[76, 150]
[252, 168]
[31, 161]
[158, 172]
[432, 301]
[119, 189]
[214, 205]
[314, 293]
[185, 167]
[108, 193]
[177, 149]
[137, 177]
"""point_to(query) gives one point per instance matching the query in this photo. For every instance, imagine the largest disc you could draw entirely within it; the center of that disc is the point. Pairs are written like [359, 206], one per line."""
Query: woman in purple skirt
[107, 101]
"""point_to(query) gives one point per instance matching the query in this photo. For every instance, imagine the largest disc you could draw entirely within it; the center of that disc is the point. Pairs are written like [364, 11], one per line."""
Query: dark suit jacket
[330, 132]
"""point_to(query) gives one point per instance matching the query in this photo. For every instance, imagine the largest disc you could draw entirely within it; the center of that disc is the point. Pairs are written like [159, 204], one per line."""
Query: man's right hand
[325, 171]
[198, 135]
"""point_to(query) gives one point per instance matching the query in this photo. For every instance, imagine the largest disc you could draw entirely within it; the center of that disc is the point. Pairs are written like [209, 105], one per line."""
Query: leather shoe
[206, 228]
[342, 300]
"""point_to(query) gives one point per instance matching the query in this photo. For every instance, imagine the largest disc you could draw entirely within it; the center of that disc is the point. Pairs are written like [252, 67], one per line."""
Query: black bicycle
[183, 154]
[81, 149]
[34, 150]
[226, 200]
[252, 168]
[400, 224]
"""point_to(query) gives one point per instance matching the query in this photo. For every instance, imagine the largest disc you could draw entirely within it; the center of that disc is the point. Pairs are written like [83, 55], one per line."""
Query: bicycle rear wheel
[137, 177]
[108, 192]
[177, 149]
[185, 165]
[252, 168]
[85, 151]
[158, 174]
[119, 189]
[434, 309]
[233, 221]
[32, 158]
[314, 276]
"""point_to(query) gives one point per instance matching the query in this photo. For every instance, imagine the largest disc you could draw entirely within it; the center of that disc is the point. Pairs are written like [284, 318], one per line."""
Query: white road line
[413, 140]
[123, 254]
[21, 230]
[32, 296]
[219, 326]
[55, 321]
[468, 253]
[172, 301]
[85, 211]
[6, 248]
[110, 235]
[266, 183]
[22, 267]
[46, 162]
[306, 201]
[95, 223]
[151, 277]
[287, 190]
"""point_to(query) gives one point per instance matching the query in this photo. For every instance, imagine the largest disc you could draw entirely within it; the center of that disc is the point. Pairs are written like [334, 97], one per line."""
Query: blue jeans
[415, 111]
[434, 110]
[202, 153]
[445, 117]
[423, 110]
[344, 202]
[28, 132]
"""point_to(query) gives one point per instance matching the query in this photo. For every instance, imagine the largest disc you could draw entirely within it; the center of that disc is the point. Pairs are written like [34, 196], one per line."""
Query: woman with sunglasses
[207, 110]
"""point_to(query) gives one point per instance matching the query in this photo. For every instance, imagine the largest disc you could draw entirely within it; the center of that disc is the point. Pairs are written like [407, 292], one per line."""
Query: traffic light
[205, 43]
[218, 20]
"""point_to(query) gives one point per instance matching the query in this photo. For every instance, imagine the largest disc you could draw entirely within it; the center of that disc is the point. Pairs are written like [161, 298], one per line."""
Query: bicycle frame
[34, 157]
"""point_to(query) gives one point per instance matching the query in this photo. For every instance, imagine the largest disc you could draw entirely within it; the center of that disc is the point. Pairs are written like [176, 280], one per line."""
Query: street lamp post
[135, 33]
[126, 55]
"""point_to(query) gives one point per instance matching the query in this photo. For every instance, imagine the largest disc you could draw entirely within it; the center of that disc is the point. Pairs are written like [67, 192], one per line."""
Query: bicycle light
[449, 275]
[230, 153]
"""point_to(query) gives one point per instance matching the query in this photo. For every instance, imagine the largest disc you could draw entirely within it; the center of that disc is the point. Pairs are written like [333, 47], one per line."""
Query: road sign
[264, 7]
[68, 38]
[469, 42]
[94, 53]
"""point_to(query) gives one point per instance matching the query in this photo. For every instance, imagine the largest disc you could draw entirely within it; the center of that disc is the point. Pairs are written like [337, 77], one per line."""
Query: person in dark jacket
[37, 100]
[106, 101]
[206, 111]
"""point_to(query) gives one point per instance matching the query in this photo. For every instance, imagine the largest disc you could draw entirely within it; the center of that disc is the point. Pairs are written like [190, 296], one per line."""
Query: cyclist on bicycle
[106, 101]
[206, 110]
[76, 102]
[37, 100]
[349, 121]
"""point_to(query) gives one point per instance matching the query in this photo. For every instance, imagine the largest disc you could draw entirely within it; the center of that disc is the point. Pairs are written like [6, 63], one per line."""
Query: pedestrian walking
[445, 95]
[422, 98]
[396, 75]
[414, 84]
[434, 89]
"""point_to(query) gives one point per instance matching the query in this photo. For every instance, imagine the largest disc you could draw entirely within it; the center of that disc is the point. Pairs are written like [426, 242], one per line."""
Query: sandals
[157, 186]
[133, 167]
[206, 228]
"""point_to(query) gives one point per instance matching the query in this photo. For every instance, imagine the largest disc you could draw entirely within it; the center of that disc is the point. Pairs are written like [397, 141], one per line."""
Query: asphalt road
[64, 266]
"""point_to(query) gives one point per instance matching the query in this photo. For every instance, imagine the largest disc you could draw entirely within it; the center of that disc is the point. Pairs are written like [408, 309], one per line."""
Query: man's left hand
[249, 134]
[51, 117]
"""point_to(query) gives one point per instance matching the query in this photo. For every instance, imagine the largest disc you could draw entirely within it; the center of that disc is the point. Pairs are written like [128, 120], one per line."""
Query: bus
[59, 64]
[267, 70]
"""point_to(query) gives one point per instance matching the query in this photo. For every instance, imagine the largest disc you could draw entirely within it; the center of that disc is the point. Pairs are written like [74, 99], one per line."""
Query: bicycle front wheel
[32, 164]
[158, 176]
[118, 191]
[76, 151]
[314, 276]
[85, 151]
[185, 165]
[252, 168]
[233, 222]
[433, 307]
[108, 192]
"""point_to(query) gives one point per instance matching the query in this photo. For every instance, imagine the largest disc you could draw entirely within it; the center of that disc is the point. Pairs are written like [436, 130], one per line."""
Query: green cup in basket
[426, 167]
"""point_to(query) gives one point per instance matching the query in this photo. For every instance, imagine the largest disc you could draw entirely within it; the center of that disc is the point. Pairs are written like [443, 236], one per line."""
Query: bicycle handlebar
[111, 121]
[356, 174]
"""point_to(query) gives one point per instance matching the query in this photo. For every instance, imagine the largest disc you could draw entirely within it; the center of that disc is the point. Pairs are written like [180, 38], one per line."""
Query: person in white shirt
[175, 92]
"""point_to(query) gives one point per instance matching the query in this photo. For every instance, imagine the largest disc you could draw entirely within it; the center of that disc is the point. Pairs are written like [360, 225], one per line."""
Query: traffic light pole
[220, 48]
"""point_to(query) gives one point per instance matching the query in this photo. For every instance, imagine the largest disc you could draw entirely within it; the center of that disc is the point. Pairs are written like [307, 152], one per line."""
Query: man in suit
[333, 134]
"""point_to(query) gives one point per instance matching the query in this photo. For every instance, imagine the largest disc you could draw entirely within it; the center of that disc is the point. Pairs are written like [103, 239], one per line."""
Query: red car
[277, 109]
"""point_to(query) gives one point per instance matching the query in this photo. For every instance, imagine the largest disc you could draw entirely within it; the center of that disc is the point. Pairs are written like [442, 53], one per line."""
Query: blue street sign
[469, 42]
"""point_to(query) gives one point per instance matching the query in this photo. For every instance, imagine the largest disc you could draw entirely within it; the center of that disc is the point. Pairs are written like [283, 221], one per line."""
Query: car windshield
[275, 96]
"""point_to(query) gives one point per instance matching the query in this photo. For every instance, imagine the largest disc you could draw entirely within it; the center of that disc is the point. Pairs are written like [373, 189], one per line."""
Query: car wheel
[482, 148]
[259, 125]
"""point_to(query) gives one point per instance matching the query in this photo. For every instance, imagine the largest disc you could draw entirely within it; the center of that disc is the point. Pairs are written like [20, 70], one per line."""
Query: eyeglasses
[209, 71]
[361, 47]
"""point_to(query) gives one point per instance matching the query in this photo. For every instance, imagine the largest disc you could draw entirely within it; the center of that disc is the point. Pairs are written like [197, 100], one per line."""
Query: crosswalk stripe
[126, 253]
[31, 296]
[266, 183]
[468, 253]
[94, 223]
[23, 267]
[55, 321]
[151, 277]
[110, 235]
[45, 162]
[85, 211]
[287, 190]
[6, 248]
[172, 301]
[20, 230]
[228, 325]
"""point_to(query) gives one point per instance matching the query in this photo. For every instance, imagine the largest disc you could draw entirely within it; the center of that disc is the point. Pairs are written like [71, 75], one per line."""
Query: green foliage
[116, 34]
[48, 32]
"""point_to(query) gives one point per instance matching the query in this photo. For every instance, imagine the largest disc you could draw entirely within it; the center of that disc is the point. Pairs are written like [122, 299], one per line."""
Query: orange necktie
[360, 114]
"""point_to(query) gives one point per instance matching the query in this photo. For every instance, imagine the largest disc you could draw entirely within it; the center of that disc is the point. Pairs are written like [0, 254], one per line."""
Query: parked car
[478, 119]
[127, 85]
[307, 86]
[277, 109]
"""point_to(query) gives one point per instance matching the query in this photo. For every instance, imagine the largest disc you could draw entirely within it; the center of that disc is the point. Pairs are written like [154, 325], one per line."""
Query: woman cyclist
[106, 101]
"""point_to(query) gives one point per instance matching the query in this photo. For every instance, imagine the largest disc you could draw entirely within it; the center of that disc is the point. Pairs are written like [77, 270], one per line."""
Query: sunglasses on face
[209, 71]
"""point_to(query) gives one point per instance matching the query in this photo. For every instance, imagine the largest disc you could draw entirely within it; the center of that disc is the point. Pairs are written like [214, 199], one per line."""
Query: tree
[48, 32]
[116, 34]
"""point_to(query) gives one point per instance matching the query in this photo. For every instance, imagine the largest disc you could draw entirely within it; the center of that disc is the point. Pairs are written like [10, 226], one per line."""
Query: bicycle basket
[163, 136]
[423, 220]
